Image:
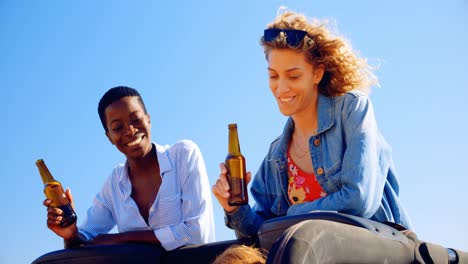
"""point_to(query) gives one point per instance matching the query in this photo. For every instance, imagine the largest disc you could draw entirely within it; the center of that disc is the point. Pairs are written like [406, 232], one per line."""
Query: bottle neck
[233, 145]
[46, 176]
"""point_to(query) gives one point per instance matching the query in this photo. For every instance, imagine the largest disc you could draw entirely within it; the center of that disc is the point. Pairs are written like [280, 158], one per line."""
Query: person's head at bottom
[241, 254]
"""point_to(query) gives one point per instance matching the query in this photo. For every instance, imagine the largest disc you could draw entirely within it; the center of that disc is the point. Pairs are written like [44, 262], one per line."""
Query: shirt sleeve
[197, 225]
[99, 219]
[364, 168]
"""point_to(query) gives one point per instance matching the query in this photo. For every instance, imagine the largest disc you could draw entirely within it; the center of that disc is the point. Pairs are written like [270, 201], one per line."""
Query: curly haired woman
[331, 154]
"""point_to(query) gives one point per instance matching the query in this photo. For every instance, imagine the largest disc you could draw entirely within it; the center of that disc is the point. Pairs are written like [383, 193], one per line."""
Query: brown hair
[344, 69]
[241, 254]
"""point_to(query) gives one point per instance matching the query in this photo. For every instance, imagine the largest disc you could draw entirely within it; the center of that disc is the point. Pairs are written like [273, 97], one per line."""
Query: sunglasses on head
[293, 36]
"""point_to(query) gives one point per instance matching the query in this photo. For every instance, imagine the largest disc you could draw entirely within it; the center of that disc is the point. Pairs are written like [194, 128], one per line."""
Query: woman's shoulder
[351, 96]
[117, 172]
[183, 145]
[352, 101]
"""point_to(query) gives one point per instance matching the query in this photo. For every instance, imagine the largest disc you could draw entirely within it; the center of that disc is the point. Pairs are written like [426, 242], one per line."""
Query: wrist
[231, 210]
[76, 240]
[73, 243]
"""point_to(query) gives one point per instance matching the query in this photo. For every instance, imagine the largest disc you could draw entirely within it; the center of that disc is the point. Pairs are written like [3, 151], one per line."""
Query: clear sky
[198, 66]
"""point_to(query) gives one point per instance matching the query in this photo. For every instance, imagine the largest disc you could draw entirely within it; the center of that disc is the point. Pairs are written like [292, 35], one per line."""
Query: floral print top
[302, 186]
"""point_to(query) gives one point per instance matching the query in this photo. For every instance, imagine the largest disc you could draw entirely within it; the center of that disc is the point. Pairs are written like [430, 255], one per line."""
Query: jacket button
[320, 171]
[317, 142]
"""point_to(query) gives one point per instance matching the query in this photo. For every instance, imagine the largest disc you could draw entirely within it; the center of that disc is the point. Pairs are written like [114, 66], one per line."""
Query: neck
[305, 131]
[305, 124]
[143, 165]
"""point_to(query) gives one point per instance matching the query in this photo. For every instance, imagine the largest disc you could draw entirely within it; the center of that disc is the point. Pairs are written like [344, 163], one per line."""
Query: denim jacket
[352, 162]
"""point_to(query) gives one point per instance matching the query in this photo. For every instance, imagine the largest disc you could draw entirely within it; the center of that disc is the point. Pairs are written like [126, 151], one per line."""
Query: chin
[285, 112]
[136, 155]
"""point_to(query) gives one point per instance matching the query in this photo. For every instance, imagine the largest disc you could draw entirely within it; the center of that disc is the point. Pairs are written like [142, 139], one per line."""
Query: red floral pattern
[302, 186]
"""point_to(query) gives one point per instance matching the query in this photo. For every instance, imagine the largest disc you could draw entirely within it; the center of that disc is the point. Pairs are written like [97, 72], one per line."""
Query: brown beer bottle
[53, 190]
[236, 172]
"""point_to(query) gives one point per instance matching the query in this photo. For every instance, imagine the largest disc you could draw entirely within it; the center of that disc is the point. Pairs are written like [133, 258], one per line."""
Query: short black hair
[114, 94]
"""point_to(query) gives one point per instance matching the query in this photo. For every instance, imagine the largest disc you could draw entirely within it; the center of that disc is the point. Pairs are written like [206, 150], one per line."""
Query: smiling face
[129, 127]
[293, 81]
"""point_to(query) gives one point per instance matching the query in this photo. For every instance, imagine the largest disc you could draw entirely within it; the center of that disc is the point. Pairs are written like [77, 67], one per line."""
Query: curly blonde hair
[241, 254]
[344, 69]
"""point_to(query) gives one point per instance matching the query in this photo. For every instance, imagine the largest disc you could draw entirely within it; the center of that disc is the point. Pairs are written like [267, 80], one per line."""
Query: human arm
[246, 220]
[100, 215]
[221, 189]
[143, 236]
[70, 234]
[186, 197]
[234, 215]
[113, 205]
[356, 186]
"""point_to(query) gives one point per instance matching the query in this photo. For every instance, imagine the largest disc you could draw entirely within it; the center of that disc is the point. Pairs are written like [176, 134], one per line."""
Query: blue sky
[198, 66]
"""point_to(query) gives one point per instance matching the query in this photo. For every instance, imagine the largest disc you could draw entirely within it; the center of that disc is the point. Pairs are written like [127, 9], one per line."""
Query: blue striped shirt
[182, 212]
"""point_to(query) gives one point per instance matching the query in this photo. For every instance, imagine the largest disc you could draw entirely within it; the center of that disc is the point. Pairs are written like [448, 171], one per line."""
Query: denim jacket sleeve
[357, 188]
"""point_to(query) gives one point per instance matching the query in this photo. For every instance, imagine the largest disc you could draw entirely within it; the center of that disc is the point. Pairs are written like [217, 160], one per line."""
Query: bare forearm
[141, 236]
[126, 237]
[76, 241]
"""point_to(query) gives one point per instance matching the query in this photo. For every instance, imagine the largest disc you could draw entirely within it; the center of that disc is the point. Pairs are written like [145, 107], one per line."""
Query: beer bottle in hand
[54, 191]
[236, 172]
